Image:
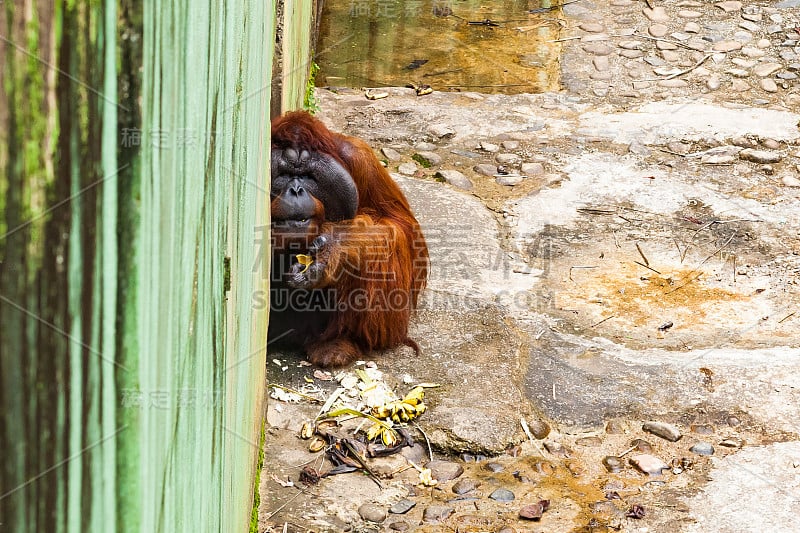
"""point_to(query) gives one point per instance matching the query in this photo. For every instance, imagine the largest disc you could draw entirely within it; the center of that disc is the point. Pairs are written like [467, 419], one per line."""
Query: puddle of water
[379, 43]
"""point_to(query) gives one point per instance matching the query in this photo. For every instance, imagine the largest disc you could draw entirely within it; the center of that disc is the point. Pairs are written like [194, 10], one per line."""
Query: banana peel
[305, 260]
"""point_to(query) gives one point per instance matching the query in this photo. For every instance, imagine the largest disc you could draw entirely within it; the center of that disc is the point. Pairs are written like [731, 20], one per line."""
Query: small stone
[511, 145]
[754, 17]
[630, 45]
[657, 14]
[493, 467]
[601, 76]
[489, 147]
[702, 429]
[591, 441]
[613, 464]
[598, 49]
[760, 156]
[738, 72]
[455, 178]
[654, 61]
[372, 513]
[658, 30]
[765, 69]
[534, 511]
[739, 86]
[436, 513]
[440, 131]
[764, 43]
[509, 181]
[786, 75]
[465, 485]
[424, 147]
[666, 45]
[539, 428]
[689, 14]
[702, 448]
[673, 83]
[648, 464]
[600, 63]
[556, 449]
[399, 526]
[485, 169]
[750, 26]
[641, 445]
[679, 148]
[727, 46]
[592, 27]
[502, 495]
[575, 468]
[791, 181]
[732, 443]
[431, 158]
[752, 52]
[692, 27]
[507, 159]
[771, 144]
[663, 430]
[445, 470]
[636, 147]
[713, 83]
[744, 63]
[631, 54]
[671, 56]
[407, 169]
[391, 154]
[717, 159]
[402, 507]
[729, 6]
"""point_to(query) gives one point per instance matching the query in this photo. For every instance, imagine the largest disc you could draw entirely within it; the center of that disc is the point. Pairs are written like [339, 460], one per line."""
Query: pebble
[791, 181]
[702, 429]
[402, 507]
[592, 441]
[592, 27]
[598, 49]
[556, 449]
[665, 45]
[787, 75]
[509, 181]
[689, 14]
[630, 45]
[648, 464]
[702, 448]
[391, 154]
[465, 485]
[744, 63]
[631, 54]
[732, 443]
[440, 131]
[636, 146]
[436, 513]
[485, 169]
[729, 6]
[764, 43]
[679, 148]
[752, 52]
[407, 169]
[692, 27]
[613, 464]
[673, 83]
[641, 445]
[750, 26]
[760, 156]
[727, 46]
[739, 86]
[494, 467]
[455, 178]
[601, 76]
[539, 428]
[424, 147]
[372, 513]
[399, 526]
[445, 470]
[754, 17]
[431, 158]
[489, 147]
[657, 14]
[738, 72]
[502, 495]
[771, 144]
[534, 511]
[663, 430]
[511, 145]
[507, 159]
[658, 30]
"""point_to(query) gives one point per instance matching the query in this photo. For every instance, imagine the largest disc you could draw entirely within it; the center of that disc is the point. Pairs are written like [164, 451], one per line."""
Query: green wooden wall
[134, 162]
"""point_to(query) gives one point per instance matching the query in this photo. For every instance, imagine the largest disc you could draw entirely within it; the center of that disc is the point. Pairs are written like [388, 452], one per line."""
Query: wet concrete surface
[646, 267]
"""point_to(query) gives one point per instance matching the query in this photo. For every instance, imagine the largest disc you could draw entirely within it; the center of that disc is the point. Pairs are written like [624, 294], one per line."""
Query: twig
[639, 248]
[573, 38]
[715, 252]
[607, 318]
[682, 72]
[287, 502]
[643, 36]
[787, 317]
[647, 267]
[427, 441]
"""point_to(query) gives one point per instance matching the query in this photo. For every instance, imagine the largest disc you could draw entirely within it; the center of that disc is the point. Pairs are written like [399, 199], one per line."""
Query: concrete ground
[623, 251]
